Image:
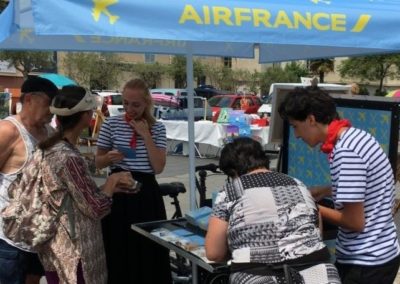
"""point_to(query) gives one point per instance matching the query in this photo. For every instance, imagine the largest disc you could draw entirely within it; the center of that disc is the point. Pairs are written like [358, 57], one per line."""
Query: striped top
[116, 133]
[361, 172]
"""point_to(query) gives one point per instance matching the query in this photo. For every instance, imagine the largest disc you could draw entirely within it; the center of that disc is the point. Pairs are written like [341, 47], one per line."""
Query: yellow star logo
[385, 118]
[26, 35]
[101, 7]
[361, 116]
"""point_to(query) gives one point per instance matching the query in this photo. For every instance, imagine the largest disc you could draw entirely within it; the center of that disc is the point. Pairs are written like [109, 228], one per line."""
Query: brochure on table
[187, 239]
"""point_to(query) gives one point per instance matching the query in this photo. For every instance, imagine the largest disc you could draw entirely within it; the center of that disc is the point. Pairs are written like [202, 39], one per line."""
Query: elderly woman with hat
[76, 253]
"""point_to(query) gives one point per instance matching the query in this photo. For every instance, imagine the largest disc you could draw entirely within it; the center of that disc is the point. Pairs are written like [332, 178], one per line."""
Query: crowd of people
[104, 249]
[267, 223]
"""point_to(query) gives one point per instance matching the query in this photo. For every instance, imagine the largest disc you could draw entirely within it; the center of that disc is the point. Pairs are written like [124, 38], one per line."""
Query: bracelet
[109, 198]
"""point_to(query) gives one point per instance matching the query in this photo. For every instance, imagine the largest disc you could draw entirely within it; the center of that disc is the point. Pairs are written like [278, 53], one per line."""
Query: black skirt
[132, 258]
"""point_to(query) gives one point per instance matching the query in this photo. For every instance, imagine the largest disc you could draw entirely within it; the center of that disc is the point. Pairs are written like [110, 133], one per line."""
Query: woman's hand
[123, 182]
[127, 184]
[119, 182]
[141, 127]
[114, 156]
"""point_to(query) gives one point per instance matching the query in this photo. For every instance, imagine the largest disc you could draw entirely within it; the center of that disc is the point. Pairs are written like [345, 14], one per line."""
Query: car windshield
[116, 100]
[220, 101]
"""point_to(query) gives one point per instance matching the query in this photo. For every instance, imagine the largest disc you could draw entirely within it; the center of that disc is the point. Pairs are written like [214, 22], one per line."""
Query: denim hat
[38, 84]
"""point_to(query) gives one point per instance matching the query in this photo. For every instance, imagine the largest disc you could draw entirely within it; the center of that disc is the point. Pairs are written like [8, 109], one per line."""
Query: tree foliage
[151, 73]
[177, 70]
[297, 70]
[291, 73]
[93, 70]
[223, 77]
[28, 61]
[371, 68]
[321, 66]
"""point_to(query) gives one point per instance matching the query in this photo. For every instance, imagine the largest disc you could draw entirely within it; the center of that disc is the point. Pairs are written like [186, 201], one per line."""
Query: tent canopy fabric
[283, 30]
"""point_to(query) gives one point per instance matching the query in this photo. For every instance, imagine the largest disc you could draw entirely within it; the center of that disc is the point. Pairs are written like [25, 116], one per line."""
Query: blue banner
[360, 23]
[6, 21]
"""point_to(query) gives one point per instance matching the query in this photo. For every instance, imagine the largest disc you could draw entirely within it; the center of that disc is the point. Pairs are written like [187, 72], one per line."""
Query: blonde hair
[139, 84]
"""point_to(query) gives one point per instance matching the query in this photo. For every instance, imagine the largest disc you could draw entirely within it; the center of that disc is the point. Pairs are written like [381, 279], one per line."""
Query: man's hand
[320, 192]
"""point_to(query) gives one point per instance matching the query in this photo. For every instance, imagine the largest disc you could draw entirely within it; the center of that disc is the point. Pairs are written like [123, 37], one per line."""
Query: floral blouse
[65, 170]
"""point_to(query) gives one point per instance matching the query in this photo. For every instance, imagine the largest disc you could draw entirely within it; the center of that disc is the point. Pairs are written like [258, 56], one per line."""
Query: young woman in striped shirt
[367, 249]
[136, 142]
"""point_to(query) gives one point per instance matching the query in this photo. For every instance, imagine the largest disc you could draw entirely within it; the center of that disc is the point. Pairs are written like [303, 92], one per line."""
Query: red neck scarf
[333, 129]
[133, 141]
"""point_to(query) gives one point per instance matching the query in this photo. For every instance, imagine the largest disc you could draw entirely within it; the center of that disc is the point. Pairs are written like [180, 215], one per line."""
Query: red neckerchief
[133, 141]
[333, 129]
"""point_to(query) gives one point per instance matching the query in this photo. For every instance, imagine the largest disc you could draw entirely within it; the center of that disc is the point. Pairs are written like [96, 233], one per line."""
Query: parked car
[169, 92]
[182, 112]
[208, 91]
[233, 101]
[111, 102]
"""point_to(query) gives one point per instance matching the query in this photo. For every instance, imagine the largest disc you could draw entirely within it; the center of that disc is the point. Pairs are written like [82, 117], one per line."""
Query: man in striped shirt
[367, 249]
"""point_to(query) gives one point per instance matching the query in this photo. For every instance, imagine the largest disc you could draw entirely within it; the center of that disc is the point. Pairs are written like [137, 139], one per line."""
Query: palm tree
[322, 66]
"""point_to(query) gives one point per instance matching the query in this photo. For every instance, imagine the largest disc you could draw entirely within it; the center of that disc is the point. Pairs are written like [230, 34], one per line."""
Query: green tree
[371, 68]
[151, 73]
[296, 69]
[212, 73]
[28, 61]
[177, 70]
[254, 81]
[226, 79]
[93, 70]
[277, 74]
[321, 66]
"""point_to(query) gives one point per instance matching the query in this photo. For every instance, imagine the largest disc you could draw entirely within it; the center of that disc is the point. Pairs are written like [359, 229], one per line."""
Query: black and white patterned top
[272, 219]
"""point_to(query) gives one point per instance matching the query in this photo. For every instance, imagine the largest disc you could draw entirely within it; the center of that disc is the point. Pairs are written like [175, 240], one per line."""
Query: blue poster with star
[311, 166]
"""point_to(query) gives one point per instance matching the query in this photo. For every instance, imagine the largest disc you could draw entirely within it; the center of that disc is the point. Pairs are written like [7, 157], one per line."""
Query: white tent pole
[190, 89]
[189, 85]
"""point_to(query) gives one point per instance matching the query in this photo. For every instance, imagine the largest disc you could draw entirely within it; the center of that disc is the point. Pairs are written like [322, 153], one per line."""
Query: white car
[111, 102]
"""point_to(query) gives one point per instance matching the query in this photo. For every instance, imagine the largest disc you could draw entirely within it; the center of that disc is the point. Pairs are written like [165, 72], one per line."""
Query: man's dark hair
[242, 156]
[38, 84]
[302, 102]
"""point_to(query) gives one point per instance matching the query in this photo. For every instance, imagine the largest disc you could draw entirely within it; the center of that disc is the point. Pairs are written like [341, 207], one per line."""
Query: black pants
[377, 274]
[132, 258]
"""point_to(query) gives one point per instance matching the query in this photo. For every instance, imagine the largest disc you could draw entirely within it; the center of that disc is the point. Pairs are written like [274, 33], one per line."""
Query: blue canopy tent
[283, 30]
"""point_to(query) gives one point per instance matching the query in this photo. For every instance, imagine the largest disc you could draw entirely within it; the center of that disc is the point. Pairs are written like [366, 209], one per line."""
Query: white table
[208, 132]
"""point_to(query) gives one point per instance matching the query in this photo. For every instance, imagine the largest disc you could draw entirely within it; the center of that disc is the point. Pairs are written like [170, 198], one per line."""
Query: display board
[378, 116]
[279, 92]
